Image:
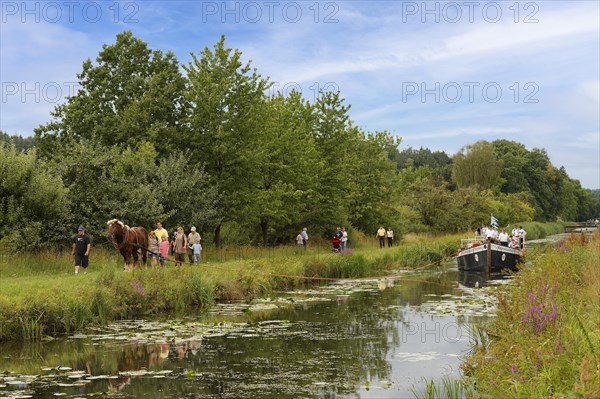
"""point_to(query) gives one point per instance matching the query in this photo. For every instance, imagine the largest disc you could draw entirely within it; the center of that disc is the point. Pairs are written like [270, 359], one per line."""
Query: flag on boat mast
[494, 221]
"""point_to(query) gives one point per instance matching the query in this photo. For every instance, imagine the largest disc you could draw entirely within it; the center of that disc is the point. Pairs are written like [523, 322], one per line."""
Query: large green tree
[513, 175]
[288, 162]
[476, 164]
[227, 99]
[336, 140]
[373, 189]
[131, 94]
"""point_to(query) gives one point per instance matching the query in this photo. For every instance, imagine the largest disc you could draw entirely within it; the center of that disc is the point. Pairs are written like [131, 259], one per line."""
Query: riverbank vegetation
[211, 144]
[41, 298]
[545, 341]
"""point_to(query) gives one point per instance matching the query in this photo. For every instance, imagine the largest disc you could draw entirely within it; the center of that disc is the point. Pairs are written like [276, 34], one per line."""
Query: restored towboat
[487, 256]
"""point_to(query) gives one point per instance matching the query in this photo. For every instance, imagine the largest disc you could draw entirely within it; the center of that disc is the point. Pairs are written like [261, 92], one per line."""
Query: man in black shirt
[81, 250]
[338, 233]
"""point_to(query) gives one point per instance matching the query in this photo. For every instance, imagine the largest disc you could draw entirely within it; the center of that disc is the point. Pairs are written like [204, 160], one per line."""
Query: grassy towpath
[40, 297]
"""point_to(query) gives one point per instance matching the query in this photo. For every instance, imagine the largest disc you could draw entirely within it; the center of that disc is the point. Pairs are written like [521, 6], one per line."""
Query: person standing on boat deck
[344, 239]
[522, 234]
[390, 236]
[381, 237]
[503, 238]
[515, 231]
[193, 238]
[490, 233]
[81, 250]
[304, 238]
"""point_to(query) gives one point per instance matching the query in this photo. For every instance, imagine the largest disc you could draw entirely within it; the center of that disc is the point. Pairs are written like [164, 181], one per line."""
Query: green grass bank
[41, 298]
[545, 342]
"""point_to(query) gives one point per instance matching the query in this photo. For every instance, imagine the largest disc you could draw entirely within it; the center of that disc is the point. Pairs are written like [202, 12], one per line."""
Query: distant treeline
[205, 144]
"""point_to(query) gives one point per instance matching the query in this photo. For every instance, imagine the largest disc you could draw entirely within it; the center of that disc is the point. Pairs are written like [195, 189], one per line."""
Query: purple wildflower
[541, 311]
[137, 286]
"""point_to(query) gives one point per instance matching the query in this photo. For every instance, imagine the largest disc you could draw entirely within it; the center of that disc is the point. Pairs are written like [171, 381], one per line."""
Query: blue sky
[438, 74]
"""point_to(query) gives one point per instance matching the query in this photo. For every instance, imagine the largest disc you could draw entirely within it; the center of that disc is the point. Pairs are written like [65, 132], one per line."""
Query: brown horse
[130, 241]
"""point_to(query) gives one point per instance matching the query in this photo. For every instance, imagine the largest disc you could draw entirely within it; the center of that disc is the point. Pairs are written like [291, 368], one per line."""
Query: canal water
[350, 339]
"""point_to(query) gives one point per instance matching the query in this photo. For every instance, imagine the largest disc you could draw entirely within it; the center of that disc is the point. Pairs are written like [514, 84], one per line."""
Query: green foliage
[227, 100]
[536, 230]
[476, 165]
[437, 161]
[134, 186]
[131, 95]
[372, 184]
[335, 140]
[288, 155]
[22, 144]
[549, 190]
[34, 202]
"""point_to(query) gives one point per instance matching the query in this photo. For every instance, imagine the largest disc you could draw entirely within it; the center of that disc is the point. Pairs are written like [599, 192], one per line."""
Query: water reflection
[362, 342]
[480, 279]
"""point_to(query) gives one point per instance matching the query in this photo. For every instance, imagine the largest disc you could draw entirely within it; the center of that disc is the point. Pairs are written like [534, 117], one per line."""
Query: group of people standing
[178, 244]
[302, 239]
[159, 246]
[514, 240]
[339, 241]
[383, 235]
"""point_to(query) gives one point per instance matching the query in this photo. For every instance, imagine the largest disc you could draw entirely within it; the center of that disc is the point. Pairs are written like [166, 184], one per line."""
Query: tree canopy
[206, 144]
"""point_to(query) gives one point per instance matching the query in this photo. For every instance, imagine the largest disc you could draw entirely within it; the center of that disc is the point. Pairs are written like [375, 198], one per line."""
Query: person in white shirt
[515, 231]
[390, 236]
[304, 237]
[522, 234]
[490, 233]
[503, 238]
[344, 239]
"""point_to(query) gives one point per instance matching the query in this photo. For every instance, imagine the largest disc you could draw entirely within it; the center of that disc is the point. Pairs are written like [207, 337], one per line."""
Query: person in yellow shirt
[161, 232]
[381, 237]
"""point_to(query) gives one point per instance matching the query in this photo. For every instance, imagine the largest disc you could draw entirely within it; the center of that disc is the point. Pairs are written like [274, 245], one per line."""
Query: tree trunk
[218, 236]
[263, 227]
